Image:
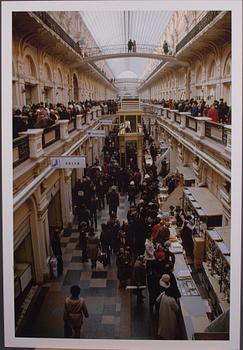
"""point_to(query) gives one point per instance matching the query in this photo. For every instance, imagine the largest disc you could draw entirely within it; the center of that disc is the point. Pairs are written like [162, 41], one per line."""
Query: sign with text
[96, 133]
[68, 162]
[106, 122]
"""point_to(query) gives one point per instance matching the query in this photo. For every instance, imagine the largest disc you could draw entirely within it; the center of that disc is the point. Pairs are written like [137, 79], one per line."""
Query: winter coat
[149, 250]
[123, 263]
[139, 274]
[213, 114]
[74, 309]
[168, 322]
[113, 200]
[92, 247]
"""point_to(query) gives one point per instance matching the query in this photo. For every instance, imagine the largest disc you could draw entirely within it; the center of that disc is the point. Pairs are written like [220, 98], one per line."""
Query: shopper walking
[74, 310]
[93, 247]
[168, 310]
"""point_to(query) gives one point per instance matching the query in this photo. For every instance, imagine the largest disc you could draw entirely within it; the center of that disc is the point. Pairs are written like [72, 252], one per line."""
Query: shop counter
[193, 316]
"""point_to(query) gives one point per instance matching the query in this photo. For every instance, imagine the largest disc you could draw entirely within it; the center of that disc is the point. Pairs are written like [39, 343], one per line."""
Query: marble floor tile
[72, 277]
[86, 275]
[71, 245]
[77, 252]
[108, 320]
[65, 239]
[74, 235]
[98, 283]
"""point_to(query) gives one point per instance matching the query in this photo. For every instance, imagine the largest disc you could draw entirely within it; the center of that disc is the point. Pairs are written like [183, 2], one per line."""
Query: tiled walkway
[113, 313]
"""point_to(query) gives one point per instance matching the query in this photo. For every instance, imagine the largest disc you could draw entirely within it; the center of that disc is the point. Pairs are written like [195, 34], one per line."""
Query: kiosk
[131, 133]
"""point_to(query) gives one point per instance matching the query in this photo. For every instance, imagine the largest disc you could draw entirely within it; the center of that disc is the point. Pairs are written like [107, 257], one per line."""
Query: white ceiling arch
[117, 27]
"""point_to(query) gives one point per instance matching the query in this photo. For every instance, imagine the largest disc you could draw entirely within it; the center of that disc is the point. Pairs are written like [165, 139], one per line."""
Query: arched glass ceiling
[117, 27]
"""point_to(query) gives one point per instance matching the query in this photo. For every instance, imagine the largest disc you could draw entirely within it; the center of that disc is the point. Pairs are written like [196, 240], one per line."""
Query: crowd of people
[218, 111]
[140, 242]
[43, 115]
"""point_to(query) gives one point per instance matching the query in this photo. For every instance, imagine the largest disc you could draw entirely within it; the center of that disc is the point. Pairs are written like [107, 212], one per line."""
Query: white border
[7, 7]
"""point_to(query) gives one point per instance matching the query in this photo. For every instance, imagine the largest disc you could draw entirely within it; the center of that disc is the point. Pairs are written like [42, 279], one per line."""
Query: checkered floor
[113, 312]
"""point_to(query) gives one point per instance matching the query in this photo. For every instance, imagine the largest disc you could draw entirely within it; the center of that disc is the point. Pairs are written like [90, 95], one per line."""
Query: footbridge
[93, 54]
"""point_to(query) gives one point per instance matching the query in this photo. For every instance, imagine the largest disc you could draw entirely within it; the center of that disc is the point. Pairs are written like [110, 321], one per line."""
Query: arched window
[199, 74]
[47, 72]
[29, 67]
[59, 77]
[75, 88]
[212, 70]
[227, 66]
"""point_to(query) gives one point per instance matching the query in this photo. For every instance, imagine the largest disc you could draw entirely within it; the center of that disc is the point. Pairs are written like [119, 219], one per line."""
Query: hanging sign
[106, 122]
[68, 162]
[96, 133]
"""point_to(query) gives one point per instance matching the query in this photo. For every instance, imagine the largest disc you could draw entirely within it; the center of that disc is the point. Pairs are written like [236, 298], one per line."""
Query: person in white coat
[168, 310]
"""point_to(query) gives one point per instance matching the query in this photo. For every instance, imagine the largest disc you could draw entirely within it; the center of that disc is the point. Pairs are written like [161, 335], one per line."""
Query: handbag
[102, 257]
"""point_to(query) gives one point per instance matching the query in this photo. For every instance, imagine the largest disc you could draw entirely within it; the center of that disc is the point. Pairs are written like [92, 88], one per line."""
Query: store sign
[96, 133]
[106, 122]
[68, 162]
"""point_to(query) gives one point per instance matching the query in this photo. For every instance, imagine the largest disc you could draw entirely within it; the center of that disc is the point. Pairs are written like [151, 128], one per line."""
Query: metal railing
[121, 49]
[177, 118]
[50, 135]
[207, 19]
[216, 132]
[52, 24]
[191, 123]
[188, 37]
[20, 150]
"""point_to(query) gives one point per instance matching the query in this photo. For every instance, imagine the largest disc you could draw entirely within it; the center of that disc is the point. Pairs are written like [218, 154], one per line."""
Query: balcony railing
[197, 29]
[178, 118]
[191, 123]
[20, 150]
[50, 135]
[53, 25]
[216, 132]
[71, 125]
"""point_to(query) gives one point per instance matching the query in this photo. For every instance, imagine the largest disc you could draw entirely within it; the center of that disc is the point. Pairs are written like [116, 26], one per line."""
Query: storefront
[188, 175]
[216, 268]
[54, 207]
[23, 263]
[203, 206]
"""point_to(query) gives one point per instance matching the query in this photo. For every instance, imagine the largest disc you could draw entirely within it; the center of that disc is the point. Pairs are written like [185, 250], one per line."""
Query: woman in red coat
[213, 114]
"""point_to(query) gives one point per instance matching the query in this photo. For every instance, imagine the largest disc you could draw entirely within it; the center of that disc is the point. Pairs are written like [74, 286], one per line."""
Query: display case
[204, 207]
[216, 268]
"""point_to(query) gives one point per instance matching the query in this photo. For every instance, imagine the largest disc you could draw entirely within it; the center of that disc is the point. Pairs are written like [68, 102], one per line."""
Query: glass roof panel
[111, 28]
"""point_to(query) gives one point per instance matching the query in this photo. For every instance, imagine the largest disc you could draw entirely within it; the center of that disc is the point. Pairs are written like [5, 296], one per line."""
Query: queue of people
[43, 115]
[218, 111]
[140, 242]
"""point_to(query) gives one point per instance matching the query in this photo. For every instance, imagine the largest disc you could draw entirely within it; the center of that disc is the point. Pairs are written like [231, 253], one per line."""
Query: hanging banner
[68, 162]
[96, 133]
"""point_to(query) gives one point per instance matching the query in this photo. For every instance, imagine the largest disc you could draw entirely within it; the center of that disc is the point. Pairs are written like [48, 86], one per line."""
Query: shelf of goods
[193, 316]
[216, 268]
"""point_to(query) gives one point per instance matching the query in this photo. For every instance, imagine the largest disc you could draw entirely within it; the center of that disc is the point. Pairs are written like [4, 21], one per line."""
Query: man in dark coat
[56, 248]
[139, 277]
[113, 200]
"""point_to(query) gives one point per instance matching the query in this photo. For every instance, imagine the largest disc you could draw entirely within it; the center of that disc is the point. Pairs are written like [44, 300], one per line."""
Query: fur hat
[165, 281]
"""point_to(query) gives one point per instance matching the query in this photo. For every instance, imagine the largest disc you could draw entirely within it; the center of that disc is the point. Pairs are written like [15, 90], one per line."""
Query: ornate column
[188, 83]
[41, 238]
[66, 197]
